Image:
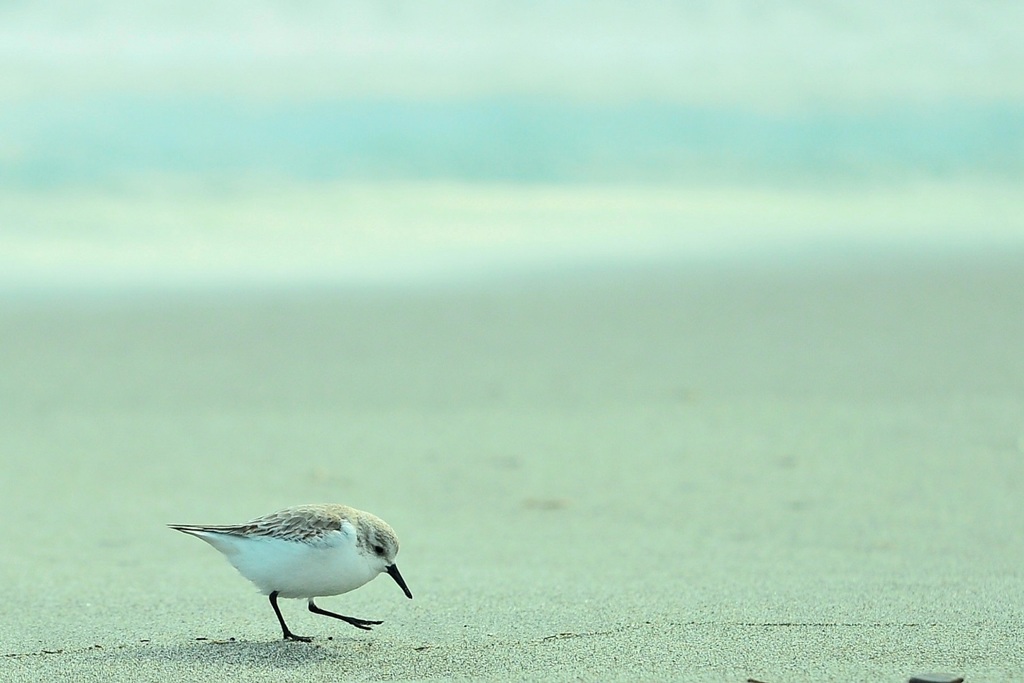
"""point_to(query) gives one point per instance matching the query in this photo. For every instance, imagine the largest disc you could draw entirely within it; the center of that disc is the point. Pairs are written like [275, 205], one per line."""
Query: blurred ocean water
[110, 139]
[259, 141]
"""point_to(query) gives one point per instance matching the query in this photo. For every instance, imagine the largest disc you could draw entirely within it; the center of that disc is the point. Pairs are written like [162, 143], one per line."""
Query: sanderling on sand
[308, 551]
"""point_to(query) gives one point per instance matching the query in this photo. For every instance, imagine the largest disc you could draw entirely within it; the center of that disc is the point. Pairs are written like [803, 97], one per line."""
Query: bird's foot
[365, 624]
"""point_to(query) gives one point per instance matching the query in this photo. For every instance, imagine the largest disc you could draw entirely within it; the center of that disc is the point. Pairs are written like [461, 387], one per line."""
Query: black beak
[392, 570]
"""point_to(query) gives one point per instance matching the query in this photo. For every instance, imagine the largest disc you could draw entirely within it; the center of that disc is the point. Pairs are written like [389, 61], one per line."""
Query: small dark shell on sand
[936, 678]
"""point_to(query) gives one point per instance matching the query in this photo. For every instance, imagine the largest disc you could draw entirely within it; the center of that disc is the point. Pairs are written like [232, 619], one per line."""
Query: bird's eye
[379, 549]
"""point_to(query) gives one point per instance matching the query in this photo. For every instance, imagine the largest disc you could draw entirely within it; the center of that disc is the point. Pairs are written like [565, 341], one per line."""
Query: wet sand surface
[797, 471]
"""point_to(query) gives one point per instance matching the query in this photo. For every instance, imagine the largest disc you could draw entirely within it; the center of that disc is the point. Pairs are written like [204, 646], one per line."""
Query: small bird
[308, 551]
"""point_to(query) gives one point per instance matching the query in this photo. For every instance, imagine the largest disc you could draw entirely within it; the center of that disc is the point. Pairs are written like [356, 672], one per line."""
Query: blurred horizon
[373, 141]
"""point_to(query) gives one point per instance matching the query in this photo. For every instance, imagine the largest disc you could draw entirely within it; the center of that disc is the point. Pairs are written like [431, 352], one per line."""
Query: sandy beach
[676, 341]
[797, 470]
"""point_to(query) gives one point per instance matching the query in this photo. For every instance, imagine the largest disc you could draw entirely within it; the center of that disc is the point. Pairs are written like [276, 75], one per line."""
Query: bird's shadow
[280, 654]
[342, 653]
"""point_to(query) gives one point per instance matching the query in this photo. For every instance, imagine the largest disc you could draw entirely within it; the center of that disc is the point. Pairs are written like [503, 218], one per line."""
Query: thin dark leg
[364, 624]
[288, 635]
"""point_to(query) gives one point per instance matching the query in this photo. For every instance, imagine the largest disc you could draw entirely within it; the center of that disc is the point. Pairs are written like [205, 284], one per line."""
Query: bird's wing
[302, 523]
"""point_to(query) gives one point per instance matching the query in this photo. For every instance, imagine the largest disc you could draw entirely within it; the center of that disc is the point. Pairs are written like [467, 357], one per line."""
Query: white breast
[297, 569]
